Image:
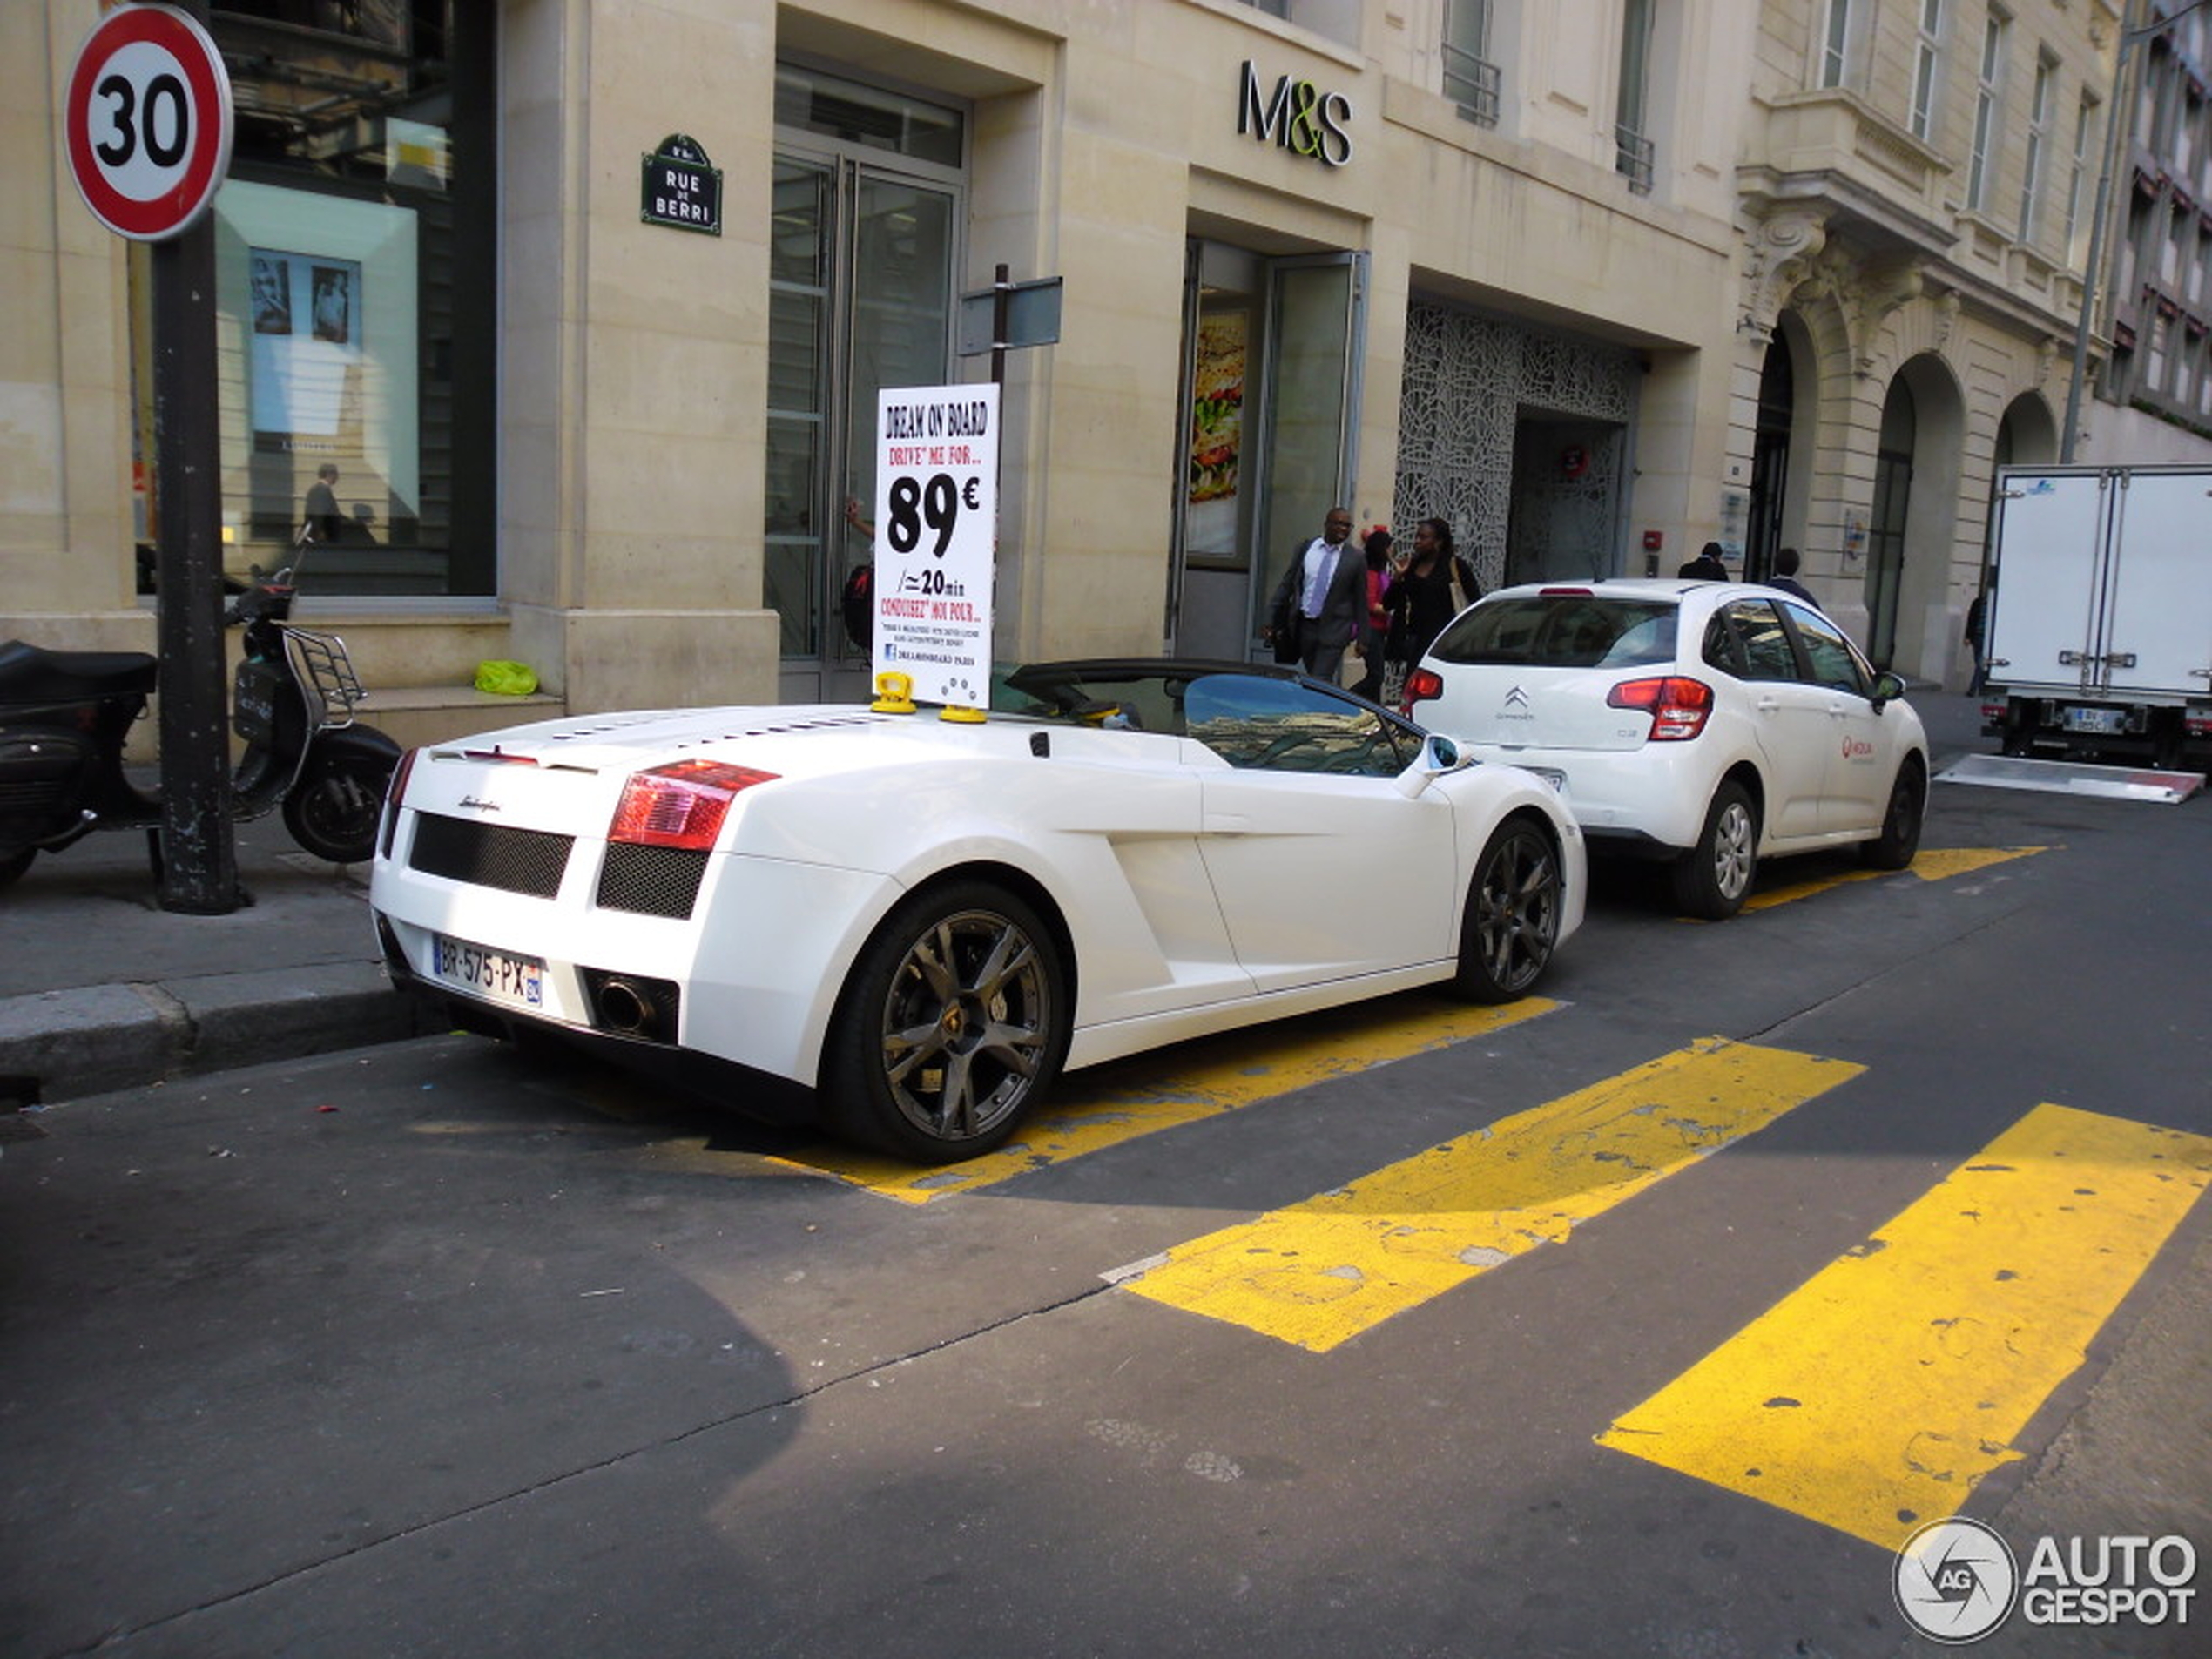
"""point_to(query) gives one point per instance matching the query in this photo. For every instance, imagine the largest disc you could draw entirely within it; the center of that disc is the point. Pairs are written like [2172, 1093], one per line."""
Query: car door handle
[1227, 823]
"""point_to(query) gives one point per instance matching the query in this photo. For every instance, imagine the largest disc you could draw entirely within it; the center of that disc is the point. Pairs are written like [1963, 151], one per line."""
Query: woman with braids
[1429, 587]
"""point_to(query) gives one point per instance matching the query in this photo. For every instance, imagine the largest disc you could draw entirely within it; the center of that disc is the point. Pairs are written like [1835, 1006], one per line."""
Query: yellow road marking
[1936, 864]
[1877, 1395]
[1325, 1269]
[1941, 863]
[1094, 1110]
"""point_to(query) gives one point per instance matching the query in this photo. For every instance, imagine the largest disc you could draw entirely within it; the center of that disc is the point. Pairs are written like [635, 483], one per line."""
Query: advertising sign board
[936, 519]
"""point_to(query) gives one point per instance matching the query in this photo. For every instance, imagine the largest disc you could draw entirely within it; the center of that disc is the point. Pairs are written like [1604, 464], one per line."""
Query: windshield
[1261, 719]
[1562, 631]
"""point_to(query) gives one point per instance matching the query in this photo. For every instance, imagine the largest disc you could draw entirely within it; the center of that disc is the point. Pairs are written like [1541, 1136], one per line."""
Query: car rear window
[1562, 631]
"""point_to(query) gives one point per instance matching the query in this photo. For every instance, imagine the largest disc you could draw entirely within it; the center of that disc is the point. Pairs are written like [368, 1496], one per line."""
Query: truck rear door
[2157, 631]
[2050, 539]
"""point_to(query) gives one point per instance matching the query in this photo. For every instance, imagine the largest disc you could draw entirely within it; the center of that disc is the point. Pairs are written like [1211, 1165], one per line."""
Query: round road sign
[148, 121]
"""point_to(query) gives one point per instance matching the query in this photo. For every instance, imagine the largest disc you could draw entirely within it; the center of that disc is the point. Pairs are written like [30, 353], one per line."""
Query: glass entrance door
[860, 297]
[1271, 367]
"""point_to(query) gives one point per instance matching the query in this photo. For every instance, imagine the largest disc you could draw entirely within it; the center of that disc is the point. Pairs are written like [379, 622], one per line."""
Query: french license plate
[518, 981]
[2102, 722]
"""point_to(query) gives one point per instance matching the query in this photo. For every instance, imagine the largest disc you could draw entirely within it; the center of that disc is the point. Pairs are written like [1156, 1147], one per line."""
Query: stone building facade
[1517, 265]
[2154, 396]
[1917, 182]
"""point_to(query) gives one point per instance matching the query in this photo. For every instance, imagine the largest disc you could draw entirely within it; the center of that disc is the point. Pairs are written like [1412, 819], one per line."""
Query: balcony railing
[1632, 158]
[1471, 83]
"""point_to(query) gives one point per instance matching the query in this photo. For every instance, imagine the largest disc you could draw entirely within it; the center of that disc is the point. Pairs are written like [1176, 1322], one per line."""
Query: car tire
[1714, 878]
[1511, 924]
[954, 1019]
[1894, 848]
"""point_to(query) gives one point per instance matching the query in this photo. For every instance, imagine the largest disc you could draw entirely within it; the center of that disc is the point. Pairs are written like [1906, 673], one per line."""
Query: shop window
[356, 253]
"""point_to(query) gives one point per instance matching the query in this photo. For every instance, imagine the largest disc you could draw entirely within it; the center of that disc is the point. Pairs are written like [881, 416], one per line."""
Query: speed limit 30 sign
[148, 121]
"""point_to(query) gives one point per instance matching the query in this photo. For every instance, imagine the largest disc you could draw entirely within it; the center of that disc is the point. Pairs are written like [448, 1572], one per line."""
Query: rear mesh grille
[652, 881]
[490, 855]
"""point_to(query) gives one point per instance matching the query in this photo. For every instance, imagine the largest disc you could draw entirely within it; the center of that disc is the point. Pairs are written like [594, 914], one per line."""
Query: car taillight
[682, 805]
[392, 792]
[1420, 686]
[1679, 707]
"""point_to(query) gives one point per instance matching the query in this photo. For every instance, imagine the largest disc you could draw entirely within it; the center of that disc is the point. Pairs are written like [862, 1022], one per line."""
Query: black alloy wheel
[955, 1020]
[1513, 914]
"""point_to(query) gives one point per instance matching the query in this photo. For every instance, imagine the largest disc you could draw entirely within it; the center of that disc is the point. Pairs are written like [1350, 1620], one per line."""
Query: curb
[59, 1045]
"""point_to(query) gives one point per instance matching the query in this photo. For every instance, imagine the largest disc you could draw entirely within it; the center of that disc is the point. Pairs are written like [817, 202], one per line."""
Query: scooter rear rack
[325, 674]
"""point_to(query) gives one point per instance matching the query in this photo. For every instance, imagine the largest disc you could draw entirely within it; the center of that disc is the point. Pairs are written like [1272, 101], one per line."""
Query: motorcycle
[64, 717]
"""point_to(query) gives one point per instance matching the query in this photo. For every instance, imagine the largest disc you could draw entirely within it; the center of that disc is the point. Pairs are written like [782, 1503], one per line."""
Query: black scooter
[64, 716]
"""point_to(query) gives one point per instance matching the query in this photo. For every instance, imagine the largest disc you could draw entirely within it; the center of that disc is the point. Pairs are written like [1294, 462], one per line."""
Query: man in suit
[1320, 605]
[1707, 566]
[1785, 576]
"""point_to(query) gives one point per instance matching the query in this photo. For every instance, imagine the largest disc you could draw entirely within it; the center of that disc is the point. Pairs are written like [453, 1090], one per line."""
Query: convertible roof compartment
[2073, 777]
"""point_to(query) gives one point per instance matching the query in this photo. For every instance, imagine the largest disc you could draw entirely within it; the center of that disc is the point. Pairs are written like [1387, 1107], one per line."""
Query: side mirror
[1439, 755]
[1887, 689]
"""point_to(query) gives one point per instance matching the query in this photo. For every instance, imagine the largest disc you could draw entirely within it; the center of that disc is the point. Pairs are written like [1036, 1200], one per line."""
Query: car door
[1862, 750]
[1323, 868]
[1791, 718]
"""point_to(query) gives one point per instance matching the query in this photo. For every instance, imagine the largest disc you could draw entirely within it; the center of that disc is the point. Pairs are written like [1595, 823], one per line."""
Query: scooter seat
[32, 674]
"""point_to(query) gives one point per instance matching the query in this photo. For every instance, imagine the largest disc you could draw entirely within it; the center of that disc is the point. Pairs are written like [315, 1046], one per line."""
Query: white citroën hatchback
[1708, 724]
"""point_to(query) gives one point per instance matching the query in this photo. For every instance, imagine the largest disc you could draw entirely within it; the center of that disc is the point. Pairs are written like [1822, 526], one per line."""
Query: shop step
[413, 715]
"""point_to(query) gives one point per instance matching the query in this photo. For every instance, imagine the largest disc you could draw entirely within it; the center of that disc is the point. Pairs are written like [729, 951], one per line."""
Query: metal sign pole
[1001, 302]
[199, 856]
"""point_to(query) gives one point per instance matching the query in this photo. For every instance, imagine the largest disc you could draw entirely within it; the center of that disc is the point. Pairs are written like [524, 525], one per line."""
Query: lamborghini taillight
[682, 805]
[394, 794]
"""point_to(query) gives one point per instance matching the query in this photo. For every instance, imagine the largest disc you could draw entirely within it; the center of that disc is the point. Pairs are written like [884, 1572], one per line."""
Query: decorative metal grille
[1467, 380]
[490, 855]
[652, 881]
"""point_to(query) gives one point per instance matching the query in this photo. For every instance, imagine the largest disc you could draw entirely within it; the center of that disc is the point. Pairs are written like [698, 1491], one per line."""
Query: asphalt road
[435, 1348]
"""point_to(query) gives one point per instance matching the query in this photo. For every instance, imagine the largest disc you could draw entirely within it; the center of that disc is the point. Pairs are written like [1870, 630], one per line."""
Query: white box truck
[2097, 623]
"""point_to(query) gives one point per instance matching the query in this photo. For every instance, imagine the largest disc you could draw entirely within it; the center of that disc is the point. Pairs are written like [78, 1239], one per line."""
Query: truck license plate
[518, 981]
[2100, 722]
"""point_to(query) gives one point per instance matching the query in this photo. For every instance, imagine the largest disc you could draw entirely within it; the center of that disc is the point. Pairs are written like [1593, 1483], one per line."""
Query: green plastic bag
[505, 679]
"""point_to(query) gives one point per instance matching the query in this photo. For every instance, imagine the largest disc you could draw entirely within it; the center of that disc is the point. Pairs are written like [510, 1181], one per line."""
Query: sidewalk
[102, 990]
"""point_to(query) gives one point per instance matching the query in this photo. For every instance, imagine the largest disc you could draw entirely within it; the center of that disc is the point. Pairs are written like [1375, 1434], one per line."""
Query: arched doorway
[1770, 462]
[1917, 520]
[2027, 435]
[1777, 515]
[1886, 535]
